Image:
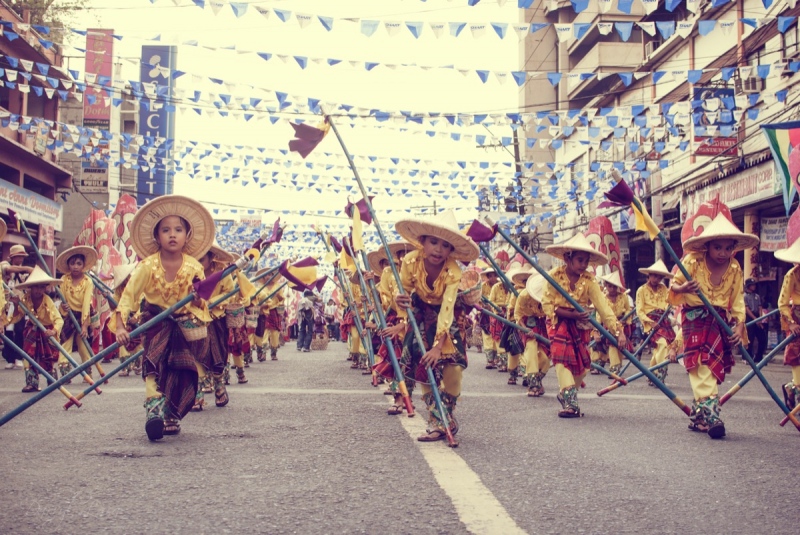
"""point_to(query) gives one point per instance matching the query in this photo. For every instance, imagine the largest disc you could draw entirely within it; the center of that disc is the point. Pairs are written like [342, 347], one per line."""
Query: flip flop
[433, 436]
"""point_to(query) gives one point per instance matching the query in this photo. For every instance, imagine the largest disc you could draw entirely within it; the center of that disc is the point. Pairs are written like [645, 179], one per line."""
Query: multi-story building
[675, 110]
[30, 96]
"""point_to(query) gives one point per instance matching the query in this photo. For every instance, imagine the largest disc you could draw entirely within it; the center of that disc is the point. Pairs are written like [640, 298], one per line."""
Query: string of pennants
[369, 27]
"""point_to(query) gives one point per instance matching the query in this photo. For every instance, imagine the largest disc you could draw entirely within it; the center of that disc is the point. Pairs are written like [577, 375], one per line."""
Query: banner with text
[30, 206]
[773, 233]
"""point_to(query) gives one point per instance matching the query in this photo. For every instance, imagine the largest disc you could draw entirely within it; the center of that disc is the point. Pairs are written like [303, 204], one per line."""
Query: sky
[404, 88]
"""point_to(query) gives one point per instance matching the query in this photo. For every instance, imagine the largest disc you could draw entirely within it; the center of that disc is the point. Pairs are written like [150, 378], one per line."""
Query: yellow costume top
[444, 292]
[621, 306]
[78, 296]
[499, 295]
[276, 300]
[790, 296]
[224, 286]
[648, 300]
[387, 288]
[148, 280]
[527, 306]
[486, 289]
[512, 302]
[47, 313]
[728, 295]
[587, 291]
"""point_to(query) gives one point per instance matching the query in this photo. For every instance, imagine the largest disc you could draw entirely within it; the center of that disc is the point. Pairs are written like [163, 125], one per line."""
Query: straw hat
[720, 229]
[17, 250]
[201, 224]
[123, 272]
[36, 278]
[521, 275]
[577, 243]
[791, 254]
[374, 258]
[89, 255]
[614, 279]
[443, 226]
[3, 229]
[220, 255]
[488, 271]
[536, 285]
[659, 268]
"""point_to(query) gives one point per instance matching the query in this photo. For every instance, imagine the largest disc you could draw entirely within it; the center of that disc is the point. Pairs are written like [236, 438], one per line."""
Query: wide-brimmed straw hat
[201, 225]
[374, 258]
[536, 285]
[123, 272]
[89, 255]
[791, 254]
[220, 255]
[577, 243]
[614, 279]
[522, 274]
[17, 250]
[36, 278]
[720, 229]
[659, 268]
[488, 271]
[442, 226]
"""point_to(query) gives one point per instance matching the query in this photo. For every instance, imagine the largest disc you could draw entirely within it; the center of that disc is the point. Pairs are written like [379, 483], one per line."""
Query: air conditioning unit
[752, 84]
[650, 47]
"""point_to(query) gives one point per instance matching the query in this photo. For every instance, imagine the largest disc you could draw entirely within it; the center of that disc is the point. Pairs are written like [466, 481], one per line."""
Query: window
[790, 41]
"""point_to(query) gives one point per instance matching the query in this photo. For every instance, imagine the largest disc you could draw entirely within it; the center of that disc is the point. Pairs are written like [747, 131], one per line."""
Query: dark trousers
[305, 334]
[9, 354]
[333, 331]
[758, 341]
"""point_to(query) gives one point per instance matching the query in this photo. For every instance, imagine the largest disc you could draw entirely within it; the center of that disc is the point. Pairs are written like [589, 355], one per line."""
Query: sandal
[29, 388]
[512, 380]
[221, 397]
[698, 427]
[198, 405]
[569, 413]
[124, 373]
[395, 410]
[432, 436]
[172, 427]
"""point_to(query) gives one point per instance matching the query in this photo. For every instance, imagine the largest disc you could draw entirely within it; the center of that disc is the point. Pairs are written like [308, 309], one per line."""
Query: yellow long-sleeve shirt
[587, 291]
[148, 280]
[512, 302]
[78, 296]
[728, 295]
[499, 295]
[527, 306]
[277, 300]
[621, 306]
[387, 288]
[648, 300]
[47, 313]
[789, 297]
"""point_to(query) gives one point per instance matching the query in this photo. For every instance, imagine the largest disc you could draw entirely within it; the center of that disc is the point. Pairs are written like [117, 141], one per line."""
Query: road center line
[476, 506]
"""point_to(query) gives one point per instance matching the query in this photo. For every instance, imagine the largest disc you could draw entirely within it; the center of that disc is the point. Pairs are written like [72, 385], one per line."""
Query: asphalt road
[306, 447]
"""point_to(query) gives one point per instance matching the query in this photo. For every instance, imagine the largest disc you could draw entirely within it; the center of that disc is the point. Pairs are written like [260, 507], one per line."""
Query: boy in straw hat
[707, 351]
[14, 273]
[651, 302]
[518, 278]
[122, 275]
[168, 232]
[489, 344]
[789, 306]
[431, 277]
[77, 290]
[618, 300]
[528, 313]
[35, 342]
[568, 329]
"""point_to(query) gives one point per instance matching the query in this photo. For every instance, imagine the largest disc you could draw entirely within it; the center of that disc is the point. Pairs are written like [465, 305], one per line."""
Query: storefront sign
[742, 189]
[97, 103]
[47, 240]
[773, 233]
[30, 206]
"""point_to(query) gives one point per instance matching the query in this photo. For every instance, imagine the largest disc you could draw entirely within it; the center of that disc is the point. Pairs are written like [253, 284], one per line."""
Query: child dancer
[651, 302]
[77, 290]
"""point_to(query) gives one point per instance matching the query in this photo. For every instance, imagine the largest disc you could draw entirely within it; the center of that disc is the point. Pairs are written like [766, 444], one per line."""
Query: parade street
[307, 447]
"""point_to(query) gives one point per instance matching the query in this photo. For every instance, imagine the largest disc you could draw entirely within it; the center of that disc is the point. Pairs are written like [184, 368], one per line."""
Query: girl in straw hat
[431, 277]
[618, 300]
[214, 362]
[77, 290]
[568, 329]
[122, 275]
[707, 350]
[168, 233]
[489, 345]
[515, 360]
[651, 302]
[528, 313]
[789, 306]
[35, 342]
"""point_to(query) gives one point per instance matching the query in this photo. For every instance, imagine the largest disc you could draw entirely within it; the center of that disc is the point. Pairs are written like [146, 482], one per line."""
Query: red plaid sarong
[662, 330]
[216, 357]
[538, 326]
[569, 345]
[496, 326]
[38, 347]
[273, 321]
[705, 343]
[348, 321]
[791, 355]
[238, 341]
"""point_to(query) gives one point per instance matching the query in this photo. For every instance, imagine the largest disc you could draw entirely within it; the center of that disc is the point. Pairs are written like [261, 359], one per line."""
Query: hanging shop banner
[714, 117]
[30, 206]
[773, 233]
[97, 103]
[738, 190]
[156, 119]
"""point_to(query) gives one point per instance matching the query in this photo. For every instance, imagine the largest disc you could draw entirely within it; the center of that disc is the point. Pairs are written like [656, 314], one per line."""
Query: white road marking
[476, 506]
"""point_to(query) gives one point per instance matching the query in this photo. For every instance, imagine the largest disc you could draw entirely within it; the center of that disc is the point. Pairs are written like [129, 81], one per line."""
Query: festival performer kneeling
[77, 290]
[168, 233]
[707, 351]
[430, 276]
[569, 330]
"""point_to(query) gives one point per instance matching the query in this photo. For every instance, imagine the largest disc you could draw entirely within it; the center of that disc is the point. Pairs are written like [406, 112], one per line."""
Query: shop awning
[671, 200]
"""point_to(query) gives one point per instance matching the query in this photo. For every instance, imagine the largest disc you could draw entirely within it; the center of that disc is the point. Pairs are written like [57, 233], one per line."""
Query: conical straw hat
[720, 229]
[536, 285]
[123, 272]
[659, 268]
[613, 278]
[374, 258]
[791, 254]
[522, 275]
[89, 255]
[37, 277]
[577, 243]
[442, 226]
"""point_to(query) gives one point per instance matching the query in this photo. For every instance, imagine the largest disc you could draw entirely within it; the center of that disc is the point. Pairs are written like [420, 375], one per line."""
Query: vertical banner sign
[97, 106]
[47, 244]
[714, 127]
[156, 120]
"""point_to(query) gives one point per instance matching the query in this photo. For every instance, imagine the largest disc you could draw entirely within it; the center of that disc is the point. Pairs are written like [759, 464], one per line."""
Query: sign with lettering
[773, 233]
[30, 206]
[742, 189]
